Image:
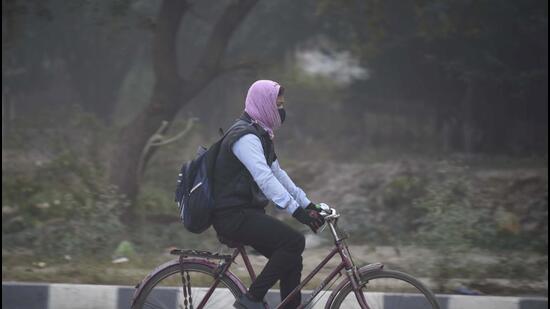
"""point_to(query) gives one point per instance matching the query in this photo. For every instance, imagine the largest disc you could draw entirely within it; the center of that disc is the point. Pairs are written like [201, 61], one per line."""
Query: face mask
[282, 114]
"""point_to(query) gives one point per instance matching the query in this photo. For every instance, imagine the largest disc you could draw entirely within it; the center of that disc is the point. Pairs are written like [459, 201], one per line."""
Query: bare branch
[162, 141]
[156, 140]
[146, 149]
[243, 65]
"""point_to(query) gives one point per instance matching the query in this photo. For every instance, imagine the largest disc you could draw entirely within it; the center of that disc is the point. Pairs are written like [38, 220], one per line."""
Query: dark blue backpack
[195, 189]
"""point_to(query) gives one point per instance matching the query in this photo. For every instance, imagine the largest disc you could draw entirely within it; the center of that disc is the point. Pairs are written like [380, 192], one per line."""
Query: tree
[171, 91]
[481, 67]
[99, 50]
[82, 47]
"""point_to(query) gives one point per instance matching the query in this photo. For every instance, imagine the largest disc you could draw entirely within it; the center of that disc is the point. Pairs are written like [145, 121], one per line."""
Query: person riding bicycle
[247, 176]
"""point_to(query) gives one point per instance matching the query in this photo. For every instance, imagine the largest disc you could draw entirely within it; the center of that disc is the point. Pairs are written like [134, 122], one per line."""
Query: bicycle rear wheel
[386, 289]
[168, 290]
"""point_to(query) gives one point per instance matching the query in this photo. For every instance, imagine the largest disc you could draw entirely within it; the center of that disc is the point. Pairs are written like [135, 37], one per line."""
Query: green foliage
[156, 200]
[125, 249]
[62, 202]
[70, 224]
[402, 217]
[451, 223]
[402, 190]
[452, 64]
[447, 206]
[512, 266]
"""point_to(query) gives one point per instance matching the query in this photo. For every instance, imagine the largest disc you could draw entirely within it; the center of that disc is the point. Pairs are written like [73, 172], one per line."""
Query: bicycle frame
[346, 264]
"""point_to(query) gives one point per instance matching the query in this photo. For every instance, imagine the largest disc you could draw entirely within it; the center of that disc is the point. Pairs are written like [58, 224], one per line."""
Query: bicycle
[170, 284]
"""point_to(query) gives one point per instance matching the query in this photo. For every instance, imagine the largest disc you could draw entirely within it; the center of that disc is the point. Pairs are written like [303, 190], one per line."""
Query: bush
[66, 223]
[154, 200]
[451, 222]
[451, 225]
[61, 203]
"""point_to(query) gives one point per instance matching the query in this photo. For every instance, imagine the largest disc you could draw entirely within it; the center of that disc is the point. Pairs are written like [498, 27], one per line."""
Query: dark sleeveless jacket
[234, 186]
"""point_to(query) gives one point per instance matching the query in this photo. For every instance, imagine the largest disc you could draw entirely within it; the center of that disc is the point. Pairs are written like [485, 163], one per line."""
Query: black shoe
[245, 302]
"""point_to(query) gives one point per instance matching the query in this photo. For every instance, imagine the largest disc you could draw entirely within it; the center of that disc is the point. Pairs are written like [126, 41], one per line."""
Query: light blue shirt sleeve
[297, 193]
[248, 149]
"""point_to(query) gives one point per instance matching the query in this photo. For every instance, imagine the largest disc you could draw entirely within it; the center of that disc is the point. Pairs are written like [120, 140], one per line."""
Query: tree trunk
[170, 92]
[468, 123]
[166, 92]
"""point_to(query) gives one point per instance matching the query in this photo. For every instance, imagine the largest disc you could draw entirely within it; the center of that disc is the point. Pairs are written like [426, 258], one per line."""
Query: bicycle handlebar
[327, 212]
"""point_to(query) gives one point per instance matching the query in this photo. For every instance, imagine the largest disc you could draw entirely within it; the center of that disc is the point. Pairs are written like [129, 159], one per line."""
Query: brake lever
[325, 213]
[322, 228]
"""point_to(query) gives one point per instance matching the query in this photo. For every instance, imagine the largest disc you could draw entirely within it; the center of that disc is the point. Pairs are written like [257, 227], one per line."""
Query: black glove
[316, 210]
[310, 218]
[314, 207]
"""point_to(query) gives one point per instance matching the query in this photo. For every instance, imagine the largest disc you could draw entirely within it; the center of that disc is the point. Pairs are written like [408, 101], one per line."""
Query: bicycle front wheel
[387, 289]
[172, 288]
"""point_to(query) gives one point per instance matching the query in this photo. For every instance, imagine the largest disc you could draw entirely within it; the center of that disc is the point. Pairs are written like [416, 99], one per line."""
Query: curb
[17, 295]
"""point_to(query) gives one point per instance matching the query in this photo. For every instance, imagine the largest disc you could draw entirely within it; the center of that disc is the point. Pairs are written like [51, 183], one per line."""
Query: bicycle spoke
[377, 300]
[161, 298]
[389, 290]
[153, 306]
[187, 290]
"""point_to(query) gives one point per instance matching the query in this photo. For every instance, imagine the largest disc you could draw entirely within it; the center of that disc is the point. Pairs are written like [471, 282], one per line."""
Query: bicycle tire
[141, 302]
[425, 298]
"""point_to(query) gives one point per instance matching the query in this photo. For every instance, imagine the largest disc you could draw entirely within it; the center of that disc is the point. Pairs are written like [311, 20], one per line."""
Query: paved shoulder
[86, 296]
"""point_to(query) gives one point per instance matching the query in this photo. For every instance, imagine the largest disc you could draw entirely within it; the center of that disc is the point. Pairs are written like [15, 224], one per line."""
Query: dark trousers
[281, 244]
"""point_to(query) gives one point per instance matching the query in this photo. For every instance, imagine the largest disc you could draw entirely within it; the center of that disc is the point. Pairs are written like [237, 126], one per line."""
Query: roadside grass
[507, 273]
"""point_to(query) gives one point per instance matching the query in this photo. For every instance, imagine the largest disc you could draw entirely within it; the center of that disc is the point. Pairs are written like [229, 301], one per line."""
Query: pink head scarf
[261, 105]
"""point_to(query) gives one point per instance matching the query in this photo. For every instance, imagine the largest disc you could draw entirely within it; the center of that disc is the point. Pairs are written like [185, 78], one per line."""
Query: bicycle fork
[353, 274]
[357, 286]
